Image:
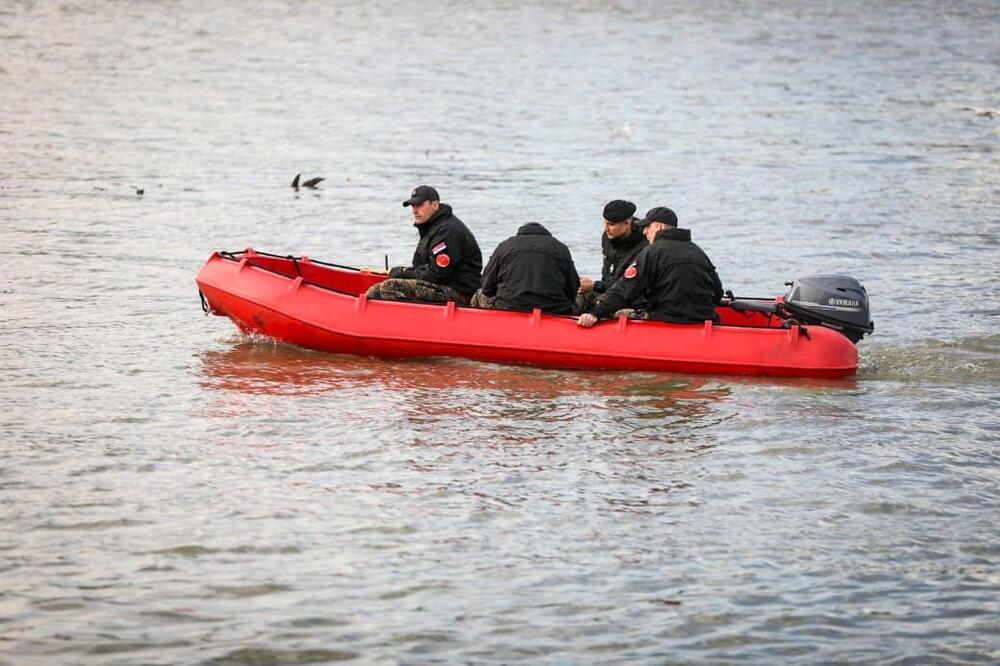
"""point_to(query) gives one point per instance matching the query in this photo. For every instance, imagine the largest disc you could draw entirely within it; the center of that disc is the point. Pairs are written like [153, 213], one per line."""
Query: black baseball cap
[422, 194]
[658, 214]
[619, 211]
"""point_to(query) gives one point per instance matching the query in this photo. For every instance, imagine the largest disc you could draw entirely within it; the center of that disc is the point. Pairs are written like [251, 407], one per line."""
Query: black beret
[619, 211]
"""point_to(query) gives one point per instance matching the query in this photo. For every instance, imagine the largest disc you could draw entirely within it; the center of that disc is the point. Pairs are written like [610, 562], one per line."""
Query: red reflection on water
[266, 368]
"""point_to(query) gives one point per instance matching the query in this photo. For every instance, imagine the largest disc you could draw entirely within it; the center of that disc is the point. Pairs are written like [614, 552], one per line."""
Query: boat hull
[324, 308]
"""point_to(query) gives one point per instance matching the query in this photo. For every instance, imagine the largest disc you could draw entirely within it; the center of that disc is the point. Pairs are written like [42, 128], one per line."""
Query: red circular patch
[631, 271]
[442, 260]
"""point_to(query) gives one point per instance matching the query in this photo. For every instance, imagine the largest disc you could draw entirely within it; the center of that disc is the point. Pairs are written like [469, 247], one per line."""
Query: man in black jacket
[673, 275]
[446, 263]
[621, 242]
[527, 271]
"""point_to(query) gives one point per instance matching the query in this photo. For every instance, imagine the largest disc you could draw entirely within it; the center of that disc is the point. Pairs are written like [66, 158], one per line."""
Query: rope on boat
[238, 256]
[235, 256]
[327, 263]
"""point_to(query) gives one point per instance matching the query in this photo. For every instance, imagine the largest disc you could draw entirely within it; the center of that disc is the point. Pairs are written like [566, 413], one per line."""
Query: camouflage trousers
[585, 302]
[632, 313]
[420, 291]
[481, 300]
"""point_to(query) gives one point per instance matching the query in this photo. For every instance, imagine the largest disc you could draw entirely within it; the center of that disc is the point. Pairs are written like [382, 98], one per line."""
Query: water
[174, 493]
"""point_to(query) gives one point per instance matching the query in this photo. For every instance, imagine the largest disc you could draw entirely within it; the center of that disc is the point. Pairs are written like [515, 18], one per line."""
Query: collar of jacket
[673, 234]
[629, 239]
[532, 229]
[425, 228]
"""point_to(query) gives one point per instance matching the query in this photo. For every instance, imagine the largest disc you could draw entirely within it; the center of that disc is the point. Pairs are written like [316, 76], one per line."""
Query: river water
[174, 493]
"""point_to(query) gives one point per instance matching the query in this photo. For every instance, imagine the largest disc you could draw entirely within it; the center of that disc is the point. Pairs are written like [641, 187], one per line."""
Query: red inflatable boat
[322, 306]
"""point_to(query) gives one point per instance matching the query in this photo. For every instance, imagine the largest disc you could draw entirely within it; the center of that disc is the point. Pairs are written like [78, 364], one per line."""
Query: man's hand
[373, 271]
[586, 320]
[586, 285]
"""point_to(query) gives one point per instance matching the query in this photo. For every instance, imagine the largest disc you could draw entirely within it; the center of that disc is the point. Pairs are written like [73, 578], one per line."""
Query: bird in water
[311, 183]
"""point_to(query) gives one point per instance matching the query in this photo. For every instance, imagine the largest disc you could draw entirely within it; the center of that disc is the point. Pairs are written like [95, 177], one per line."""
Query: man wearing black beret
[672, 279]
[620, 243]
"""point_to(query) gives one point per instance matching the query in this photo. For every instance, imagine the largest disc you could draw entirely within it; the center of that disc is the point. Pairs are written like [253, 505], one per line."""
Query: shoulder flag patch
[631, 272]
[437, 248]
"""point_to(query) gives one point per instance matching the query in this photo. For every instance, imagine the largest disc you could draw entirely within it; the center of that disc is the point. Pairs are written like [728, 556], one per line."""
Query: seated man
[527, 271]
[620, 243]
[446, 263]
[673, 275]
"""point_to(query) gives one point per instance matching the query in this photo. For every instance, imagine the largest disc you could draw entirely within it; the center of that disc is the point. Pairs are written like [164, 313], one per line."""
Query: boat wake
[966, 360]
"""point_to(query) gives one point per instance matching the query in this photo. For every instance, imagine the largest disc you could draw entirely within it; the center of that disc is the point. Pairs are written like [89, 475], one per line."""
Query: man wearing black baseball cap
[421, 195]
[672, 279]
[620, 243]
[447, 262]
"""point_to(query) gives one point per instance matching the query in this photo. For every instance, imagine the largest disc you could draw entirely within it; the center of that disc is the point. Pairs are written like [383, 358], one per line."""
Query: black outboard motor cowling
[836, 301]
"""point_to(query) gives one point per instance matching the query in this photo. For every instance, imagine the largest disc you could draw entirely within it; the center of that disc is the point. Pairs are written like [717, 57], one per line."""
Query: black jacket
[446, 254]
[532, 270]
[618, 255]
[673, 275]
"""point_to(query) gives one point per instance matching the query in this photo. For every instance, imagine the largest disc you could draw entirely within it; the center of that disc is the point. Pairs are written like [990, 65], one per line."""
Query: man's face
[651, 229]
[424, 211]
[616, 230]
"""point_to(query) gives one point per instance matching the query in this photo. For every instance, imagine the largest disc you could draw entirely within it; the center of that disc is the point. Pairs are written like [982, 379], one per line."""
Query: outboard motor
[836, 301]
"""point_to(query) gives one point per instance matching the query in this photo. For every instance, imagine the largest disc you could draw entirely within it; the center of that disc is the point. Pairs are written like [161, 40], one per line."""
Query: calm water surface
[174, 493]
